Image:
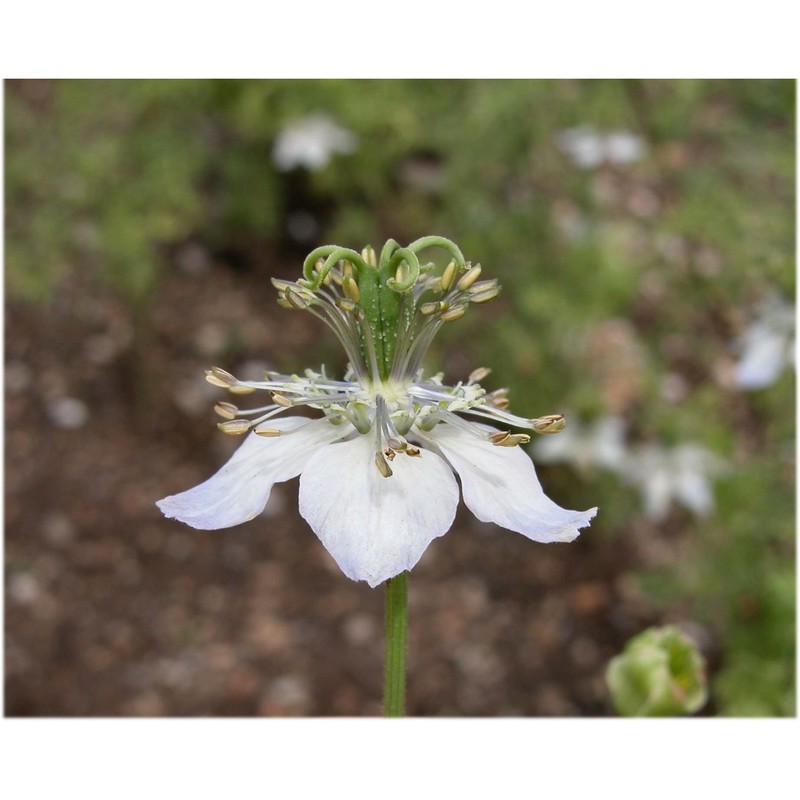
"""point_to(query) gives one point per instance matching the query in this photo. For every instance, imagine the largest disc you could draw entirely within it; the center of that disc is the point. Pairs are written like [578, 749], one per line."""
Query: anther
[397, 444]
[456, 312]
[477, 375]
[226, 410]
[484, 291]
[401, 273]
[350, 288]
[383, 465]
[235, 427]
[280, 400]
[368, 254]
[449, 276]
[469, 277]
[219, 377]
[345, 304]
[412, 451]
[426, 309]
[551, 423]
[508, 439]
[499, 437]
[295, 301]
[267, 432]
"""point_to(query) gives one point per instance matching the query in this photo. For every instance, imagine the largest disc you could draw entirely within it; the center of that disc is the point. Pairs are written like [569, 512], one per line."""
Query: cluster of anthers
[385, 312]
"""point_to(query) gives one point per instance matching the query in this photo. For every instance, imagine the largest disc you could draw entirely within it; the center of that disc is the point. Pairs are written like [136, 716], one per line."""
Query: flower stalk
[394, 667]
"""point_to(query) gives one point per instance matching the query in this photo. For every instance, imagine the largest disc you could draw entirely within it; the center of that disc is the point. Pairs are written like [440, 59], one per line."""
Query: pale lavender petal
[240, 490]
[376, 527]
[499, 485]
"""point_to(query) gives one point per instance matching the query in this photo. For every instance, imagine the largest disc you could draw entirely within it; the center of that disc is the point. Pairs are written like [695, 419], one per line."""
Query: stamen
[449, 276]
[219, 377]
[477, 375]
[551, 423]
[469, 278]
[226, 410]
[456, 312]
[235, 427]
[383, 465]
[267, 432]
[280, 400]
[350, 288]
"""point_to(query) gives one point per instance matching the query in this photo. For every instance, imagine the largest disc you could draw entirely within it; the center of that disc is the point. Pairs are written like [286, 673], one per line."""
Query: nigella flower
[378, 468]
[310, 142]
[682, 473]
[766, 346]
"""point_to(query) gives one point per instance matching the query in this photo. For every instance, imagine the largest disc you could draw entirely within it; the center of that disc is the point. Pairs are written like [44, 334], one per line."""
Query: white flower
[588, 149]
[766, 346]
[310, 142]
[681, 473]
[378, 469]
[601, 444]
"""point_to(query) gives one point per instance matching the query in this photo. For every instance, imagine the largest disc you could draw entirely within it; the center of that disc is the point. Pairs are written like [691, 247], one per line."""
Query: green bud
[660, 673]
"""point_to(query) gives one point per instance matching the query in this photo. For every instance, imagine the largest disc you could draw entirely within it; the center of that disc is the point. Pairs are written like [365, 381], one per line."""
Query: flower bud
[660, 673]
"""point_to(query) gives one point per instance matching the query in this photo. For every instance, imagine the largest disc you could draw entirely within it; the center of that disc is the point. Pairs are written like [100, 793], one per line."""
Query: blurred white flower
[310, 142]
[681, 473]
[588, 148]
[600, 444]
[766, 347]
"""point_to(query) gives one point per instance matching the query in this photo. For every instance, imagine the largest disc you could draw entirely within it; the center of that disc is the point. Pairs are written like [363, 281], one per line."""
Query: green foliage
[620, 280]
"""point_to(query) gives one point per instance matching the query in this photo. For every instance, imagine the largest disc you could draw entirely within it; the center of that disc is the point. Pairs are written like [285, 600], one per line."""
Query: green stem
[394, 668]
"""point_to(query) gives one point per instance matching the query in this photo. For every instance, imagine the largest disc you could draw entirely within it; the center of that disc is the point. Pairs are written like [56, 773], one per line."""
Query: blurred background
[644, 235]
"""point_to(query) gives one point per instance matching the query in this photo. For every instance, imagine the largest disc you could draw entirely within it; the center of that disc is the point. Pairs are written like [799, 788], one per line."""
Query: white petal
[376, 527]
[763, 358]
[240, 490]
[500, 485]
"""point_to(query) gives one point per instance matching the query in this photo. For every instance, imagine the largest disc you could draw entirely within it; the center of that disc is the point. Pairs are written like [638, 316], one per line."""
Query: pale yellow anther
[235, 427]
[401, 273]
[477, 375]
[239, 389]
[226, 410]
[280, 400]
[469, 277]
[267, 432]
[484, 296]
[295, 300]
[350, 288]
[345, 304]
[347, 269]
[456, 312]
[383, 465]
[449, 276]
[219, 377]
[499, 437]
[508, 439]
[426, 309]
[368, 254]
[397, 444]
[551, 423]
